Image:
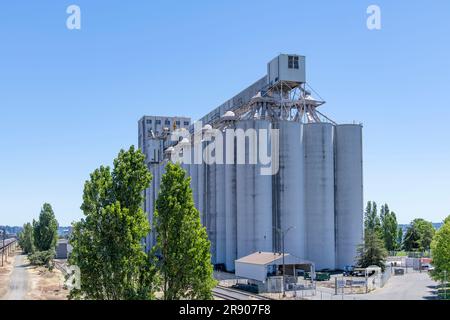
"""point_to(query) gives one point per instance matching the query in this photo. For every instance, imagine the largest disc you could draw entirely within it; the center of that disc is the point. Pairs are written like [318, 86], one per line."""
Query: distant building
[64, 232]
[63, 249]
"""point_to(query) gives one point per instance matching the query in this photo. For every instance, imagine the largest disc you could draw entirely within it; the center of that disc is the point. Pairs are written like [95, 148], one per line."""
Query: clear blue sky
[69, 100]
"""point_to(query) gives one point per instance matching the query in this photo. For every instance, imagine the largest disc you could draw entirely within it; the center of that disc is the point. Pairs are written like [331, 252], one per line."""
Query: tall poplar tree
[26, 238]
[107, 243]
[371, 218]
[182, 242]
[45, 230]
[389, 227]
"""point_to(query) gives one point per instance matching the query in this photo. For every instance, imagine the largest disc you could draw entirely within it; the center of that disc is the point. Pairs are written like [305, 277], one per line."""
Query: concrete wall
[251, 271]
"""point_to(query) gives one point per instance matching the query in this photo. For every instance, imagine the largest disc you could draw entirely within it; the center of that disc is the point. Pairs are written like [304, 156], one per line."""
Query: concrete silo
[349, 192]
[220, 211]
[194, 183]
[290, 188]
[201, 191]
[210, 207]
[253, 190]
[262, 188]
[319, 194]
[230, 207]
[230, 216]
[245, 184]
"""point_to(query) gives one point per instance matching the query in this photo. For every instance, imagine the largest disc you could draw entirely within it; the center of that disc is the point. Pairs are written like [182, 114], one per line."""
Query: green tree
[372, 252]
[418, 236]
[45, 230]
[389, 227]
[181, 240]
[26, 238]
[399, 239]
[371, 218]
[440, 248]
[107, 243]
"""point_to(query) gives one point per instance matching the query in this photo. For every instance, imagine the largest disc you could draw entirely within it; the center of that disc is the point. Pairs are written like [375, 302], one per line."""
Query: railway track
[234, 294]
[223, 296]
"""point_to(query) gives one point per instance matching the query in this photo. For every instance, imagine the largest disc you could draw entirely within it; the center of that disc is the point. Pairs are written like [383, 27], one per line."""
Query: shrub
[42, 258]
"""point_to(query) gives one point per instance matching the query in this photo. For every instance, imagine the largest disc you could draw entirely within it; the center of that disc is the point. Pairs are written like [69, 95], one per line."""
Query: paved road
[18, 283]
[411, 286]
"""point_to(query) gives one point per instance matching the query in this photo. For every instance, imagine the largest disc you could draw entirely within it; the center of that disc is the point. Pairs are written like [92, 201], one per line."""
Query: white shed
[258, 265]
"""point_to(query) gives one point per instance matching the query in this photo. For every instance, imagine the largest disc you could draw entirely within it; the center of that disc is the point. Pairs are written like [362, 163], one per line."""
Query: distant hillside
[62, 231]
[11, 229]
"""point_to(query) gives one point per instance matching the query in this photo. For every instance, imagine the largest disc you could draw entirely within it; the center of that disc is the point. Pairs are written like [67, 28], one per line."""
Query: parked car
[427, 267]
[348, 271]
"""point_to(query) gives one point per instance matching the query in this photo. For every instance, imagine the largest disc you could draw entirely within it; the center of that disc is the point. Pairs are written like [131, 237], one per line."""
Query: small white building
[265, 268]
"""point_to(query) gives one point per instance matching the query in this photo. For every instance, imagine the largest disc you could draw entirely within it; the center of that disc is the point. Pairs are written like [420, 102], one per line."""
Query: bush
[42, 258]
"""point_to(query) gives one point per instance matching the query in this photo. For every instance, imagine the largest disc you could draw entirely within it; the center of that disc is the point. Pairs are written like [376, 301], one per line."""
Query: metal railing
[7, 246]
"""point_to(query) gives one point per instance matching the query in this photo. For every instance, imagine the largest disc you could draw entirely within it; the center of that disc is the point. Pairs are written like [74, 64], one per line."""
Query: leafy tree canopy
[45, 231]
[182, 241]
[440, 248]
[418, 236]
[372, 251]
[107, 243]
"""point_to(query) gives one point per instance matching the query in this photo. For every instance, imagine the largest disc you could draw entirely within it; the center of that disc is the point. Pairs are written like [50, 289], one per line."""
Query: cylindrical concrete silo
[194, 178]
[230, 212]
[253, 190]
[319, 194]
[291, 205]
[262, 198]
[201, 179]
[244, 197]
[210, 205]
[349, 192]
[220, 226]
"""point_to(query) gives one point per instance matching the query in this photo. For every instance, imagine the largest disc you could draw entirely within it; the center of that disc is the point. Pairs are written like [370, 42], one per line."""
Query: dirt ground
[46, 285]
[5, 273]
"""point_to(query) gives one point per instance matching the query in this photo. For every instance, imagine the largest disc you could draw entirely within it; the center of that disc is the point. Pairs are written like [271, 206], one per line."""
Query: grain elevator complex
[313, 197]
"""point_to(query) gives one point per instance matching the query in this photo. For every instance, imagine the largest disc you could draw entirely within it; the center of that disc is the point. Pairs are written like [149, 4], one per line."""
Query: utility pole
[283, 235]
[4, 236]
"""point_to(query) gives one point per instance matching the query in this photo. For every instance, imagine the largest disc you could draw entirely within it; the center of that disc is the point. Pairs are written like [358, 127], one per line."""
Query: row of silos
[316, 194]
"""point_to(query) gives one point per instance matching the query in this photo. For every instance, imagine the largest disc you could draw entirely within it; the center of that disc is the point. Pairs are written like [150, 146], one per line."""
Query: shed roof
[266, 258]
